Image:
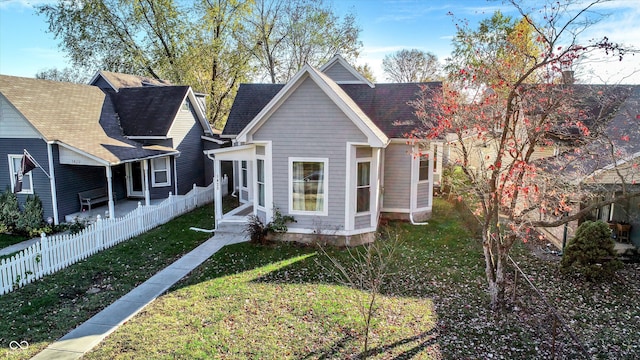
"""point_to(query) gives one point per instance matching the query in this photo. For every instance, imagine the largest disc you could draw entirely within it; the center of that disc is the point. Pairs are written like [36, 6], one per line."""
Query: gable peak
[340, 71]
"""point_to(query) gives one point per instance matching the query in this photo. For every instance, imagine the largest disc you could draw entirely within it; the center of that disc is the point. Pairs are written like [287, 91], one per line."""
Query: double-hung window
[363, 187]
[244, 171]
[308, 186]
[15, 162]
[260, 181]
[160, 172]
[423, 168]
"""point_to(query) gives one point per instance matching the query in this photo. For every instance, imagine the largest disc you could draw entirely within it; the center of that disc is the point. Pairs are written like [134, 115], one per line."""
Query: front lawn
[282, 302]
[47, 309]
[8, 240]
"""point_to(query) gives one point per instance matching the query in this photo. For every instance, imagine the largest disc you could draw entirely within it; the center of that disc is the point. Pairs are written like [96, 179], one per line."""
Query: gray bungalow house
[139, 142]
[330, 149]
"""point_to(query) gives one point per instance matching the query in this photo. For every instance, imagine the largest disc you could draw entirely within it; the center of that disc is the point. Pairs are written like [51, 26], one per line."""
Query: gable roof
[339, 61]
[374, 135]
[119, 80]
[149, 111]
[386, 105]
[621, 134]
[79, 117]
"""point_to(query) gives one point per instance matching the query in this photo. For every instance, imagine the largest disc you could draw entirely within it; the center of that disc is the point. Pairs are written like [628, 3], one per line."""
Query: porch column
[52, 184]
[217, 188]
[147, 198]
[112, 211]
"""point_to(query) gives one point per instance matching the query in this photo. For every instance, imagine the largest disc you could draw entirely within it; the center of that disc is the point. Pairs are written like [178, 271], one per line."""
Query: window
[260, 181]
[160, 172]
[423, 171]
[185, 105]
[363, 187]
[15, 162]
[308, 185]
[244, 173]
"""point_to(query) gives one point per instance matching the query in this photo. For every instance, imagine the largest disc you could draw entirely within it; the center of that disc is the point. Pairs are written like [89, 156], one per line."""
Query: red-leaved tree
[526, 142]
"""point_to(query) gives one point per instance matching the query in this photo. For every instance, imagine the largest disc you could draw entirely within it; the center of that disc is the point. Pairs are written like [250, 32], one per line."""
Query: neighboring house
[623, 139]
[330, 149]
[612, 110]
[142, 142]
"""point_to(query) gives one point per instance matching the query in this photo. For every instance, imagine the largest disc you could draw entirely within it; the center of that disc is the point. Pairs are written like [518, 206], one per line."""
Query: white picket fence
[59, 251]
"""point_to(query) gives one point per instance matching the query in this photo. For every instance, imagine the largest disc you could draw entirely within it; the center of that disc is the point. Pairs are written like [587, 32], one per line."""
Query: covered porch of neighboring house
[245, 154]
[123, 184]
[120, 209]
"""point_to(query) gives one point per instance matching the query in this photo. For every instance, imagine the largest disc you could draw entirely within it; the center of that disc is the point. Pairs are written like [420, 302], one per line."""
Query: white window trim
[370, 161]
[154, 183]
[429, 164]
[325, 186]
[13, 172]
[264, 181]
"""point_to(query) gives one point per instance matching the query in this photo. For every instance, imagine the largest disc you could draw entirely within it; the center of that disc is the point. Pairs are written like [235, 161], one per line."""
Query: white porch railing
[59, 251]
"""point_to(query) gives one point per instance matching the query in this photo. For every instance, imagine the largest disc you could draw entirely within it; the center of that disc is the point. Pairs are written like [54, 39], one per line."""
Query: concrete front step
[231, 227]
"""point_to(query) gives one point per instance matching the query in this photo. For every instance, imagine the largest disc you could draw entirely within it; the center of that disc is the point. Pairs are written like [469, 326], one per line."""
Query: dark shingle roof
[148, 111]
[250, 99]
[80, 116]
[385, 104]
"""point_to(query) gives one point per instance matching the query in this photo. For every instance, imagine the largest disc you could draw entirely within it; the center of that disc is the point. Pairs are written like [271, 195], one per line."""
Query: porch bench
[92, 197]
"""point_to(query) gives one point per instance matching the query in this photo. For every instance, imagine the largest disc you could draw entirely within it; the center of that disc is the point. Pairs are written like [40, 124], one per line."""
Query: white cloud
[23, 4]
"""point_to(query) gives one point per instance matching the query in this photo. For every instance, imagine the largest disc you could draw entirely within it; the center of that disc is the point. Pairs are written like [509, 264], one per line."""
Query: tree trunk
[494, 270]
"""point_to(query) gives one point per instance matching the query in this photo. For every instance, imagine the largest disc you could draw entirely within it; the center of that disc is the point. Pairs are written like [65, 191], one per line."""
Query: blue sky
[387, 26]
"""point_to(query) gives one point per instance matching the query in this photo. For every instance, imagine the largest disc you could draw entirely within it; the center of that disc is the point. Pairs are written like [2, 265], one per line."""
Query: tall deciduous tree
[411, 66]
[283, 35]
[73, 75]
[212, 45]
[506, 108]
[142, 36]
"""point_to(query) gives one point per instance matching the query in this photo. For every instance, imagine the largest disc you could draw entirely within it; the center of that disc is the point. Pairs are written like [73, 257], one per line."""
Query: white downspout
[52, 183]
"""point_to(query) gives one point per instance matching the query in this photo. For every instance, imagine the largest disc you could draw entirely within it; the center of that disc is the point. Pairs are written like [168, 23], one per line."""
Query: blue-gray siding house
[330, 149]
[143, 141]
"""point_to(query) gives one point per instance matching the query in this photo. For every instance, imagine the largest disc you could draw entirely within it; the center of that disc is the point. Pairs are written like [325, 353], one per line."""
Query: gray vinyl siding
[338, 73]
[362, 221]
[309, 125]
[186, 133]
[397, 176]
[423, 195]
[13, 123]
[41, 185]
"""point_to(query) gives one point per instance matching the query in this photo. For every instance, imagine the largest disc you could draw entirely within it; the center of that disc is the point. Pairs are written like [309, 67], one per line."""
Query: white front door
[135, 179]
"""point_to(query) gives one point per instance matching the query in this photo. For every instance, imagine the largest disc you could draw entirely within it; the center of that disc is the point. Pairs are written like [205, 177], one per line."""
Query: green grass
[8, 240]
[47, 309]
[285, 301]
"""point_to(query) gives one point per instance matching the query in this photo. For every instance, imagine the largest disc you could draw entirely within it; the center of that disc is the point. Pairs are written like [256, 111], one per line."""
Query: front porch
[121, 208]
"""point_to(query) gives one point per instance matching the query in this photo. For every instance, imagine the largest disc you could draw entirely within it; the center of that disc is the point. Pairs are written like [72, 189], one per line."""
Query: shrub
[31, 218]
[259, 232]
[9, 210]
[256, 230]
[591, 252]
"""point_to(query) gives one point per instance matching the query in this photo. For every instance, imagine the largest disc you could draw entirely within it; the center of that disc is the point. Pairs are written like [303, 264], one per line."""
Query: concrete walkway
[86, 336]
